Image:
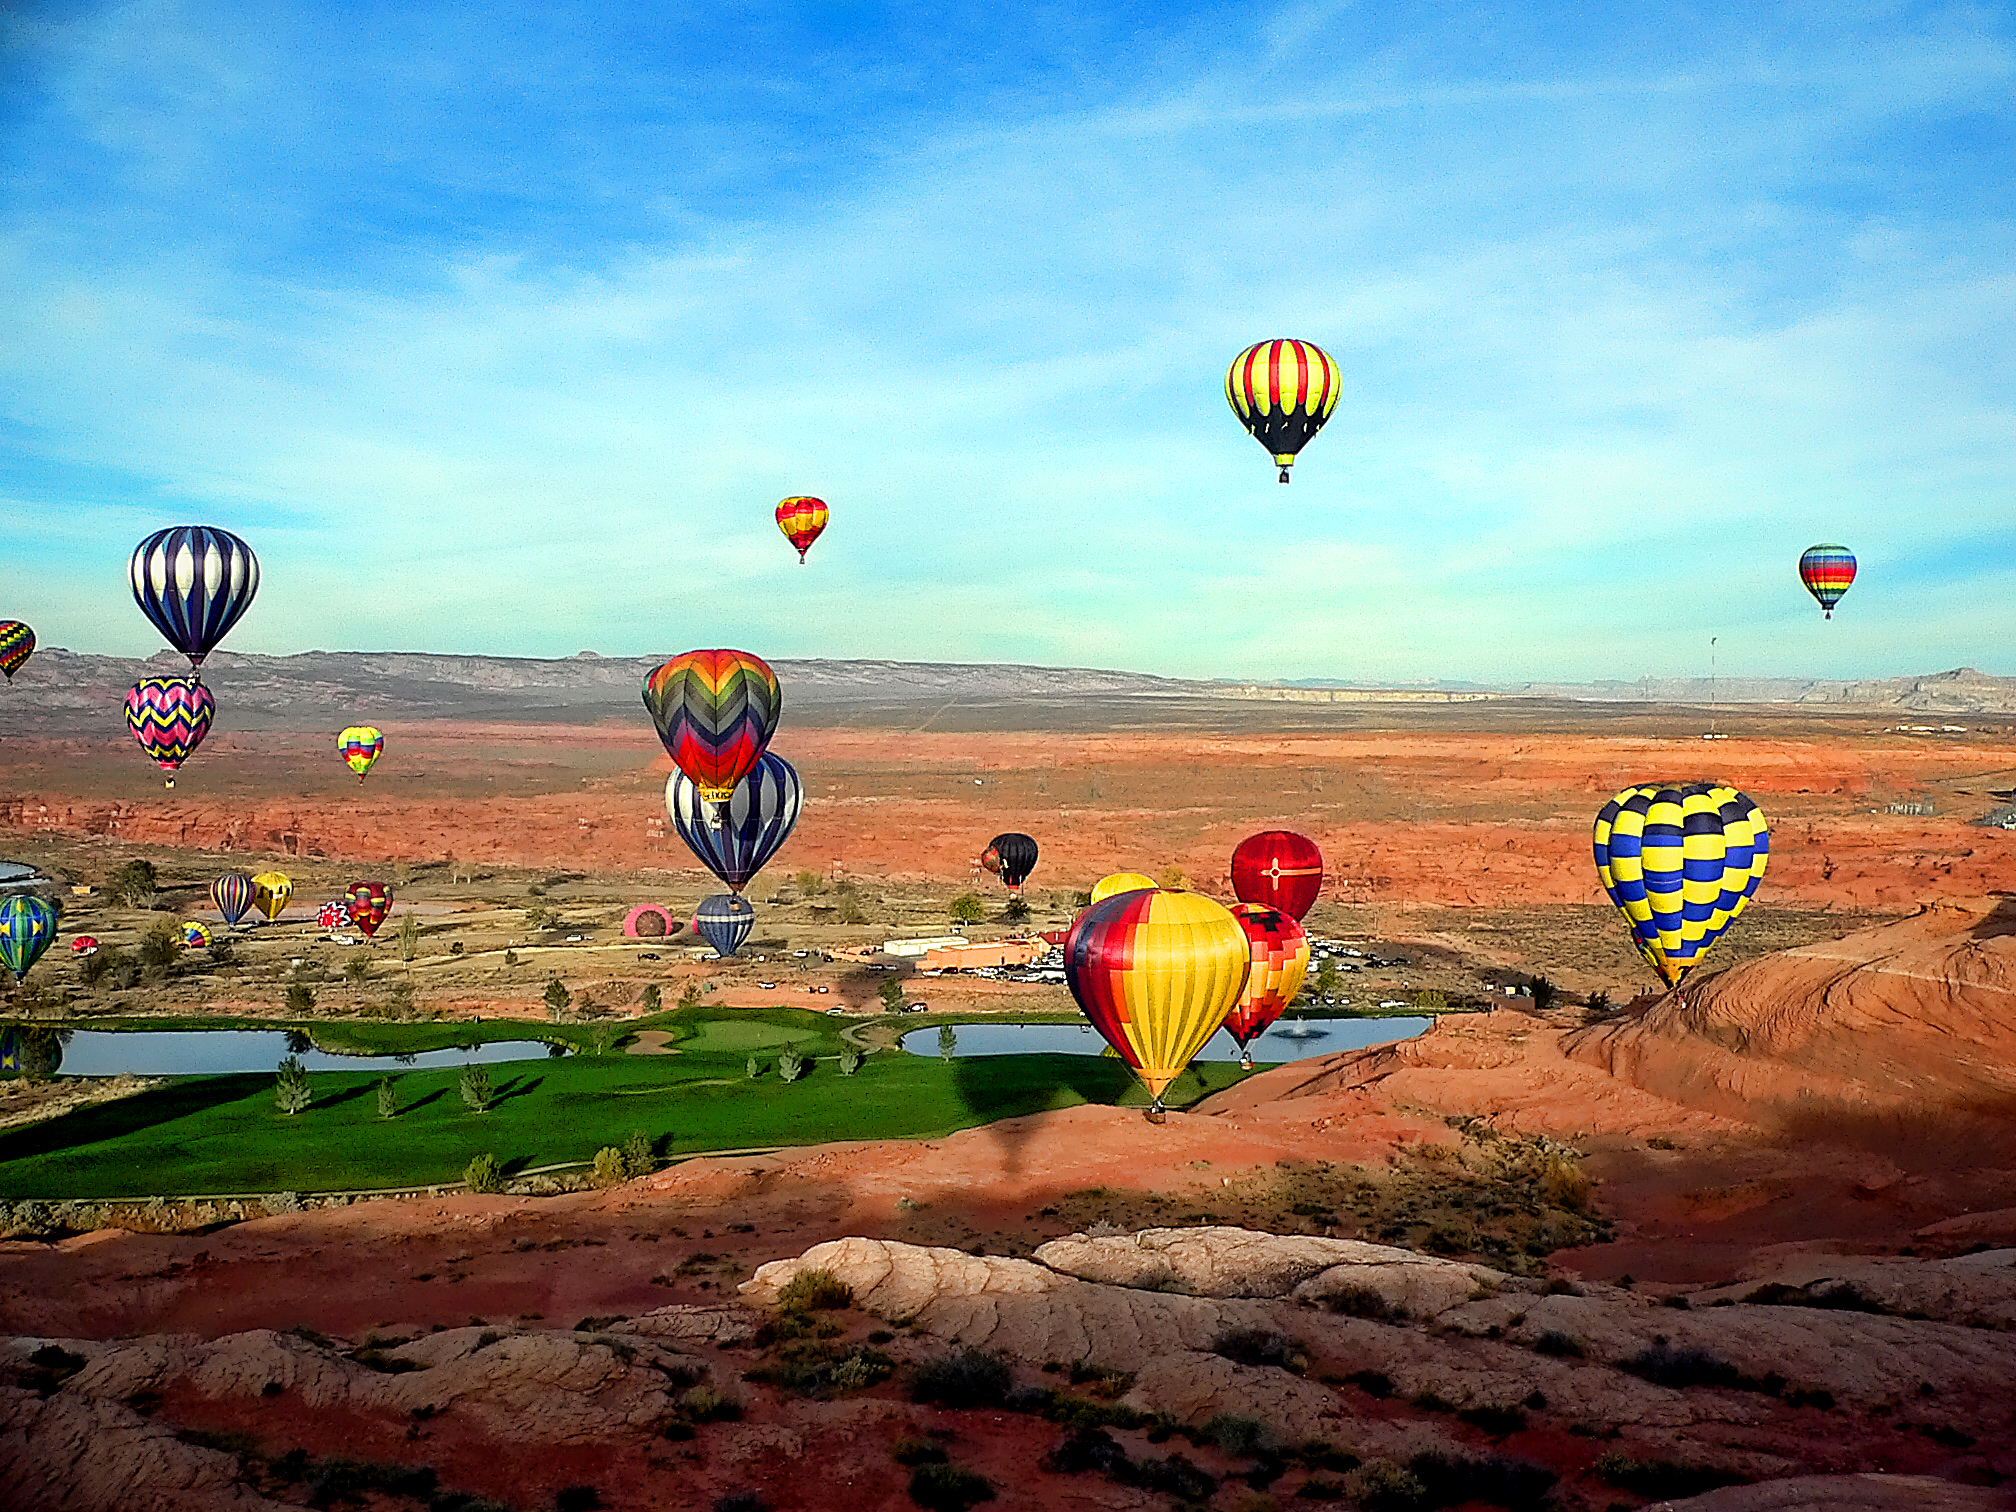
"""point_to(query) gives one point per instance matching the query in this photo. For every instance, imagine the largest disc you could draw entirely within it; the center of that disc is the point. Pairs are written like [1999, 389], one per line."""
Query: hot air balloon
[17, 644]
[738, 839]
[1120, 882]
[1280, 869]
[271, 890]
[231, 894]
[1156, 973]
[1011, 857]
[649, 921]
[724, 921]
[10, 1049]
[1280, 950]
[1680, 861]
[195, 935]
[715, 712]
[1827, 570]
[27, 925]
[1282, 392]
[801, 520]
[360, 745]
[332, 915]
[169, 716]
[194, 582]
[368, 903]
[84, 945]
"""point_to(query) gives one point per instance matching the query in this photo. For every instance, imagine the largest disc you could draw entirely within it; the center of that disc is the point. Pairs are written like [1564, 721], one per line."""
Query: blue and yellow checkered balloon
[1680, 861]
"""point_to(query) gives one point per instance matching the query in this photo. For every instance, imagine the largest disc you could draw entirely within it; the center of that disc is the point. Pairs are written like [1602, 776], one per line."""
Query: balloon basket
[1155, 1113]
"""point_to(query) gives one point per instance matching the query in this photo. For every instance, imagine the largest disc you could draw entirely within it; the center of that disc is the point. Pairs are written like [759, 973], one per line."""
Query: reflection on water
[1297, 1040]
[219, 1052]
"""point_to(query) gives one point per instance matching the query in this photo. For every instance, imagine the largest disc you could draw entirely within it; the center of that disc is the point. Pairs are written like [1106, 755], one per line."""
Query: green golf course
[213, 1135]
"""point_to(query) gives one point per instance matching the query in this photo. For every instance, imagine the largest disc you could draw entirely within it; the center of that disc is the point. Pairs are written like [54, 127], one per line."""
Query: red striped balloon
[802, 519]
[1282, 392]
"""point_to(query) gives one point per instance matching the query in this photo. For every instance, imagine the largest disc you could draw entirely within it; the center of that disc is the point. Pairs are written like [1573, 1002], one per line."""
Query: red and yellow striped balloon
[1280, 949]
[801, 519]
[1282, 392]
[715, 712]
[1156, 973]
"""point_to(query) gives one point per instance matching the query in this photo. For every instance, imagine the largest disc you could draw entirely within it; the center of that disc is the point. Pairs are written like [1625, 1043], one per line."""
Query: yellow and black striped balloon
[1680, 861]
[1282, 392]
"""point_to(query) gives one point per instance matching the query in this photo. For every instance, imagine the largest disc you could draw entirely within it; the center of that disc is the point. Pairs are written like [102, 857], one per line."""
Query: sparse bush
[638, 1157]
[1430, 998]
[134, 885]
[1664, 1480]
[557, 998]
[1015, 910]
[850, 1060]
[1082, 898]
[947, 1488]
[1382, 1486]
[790, 1066]
[809, 883]
[1599, 1004]
[475, 1087]
[1172, 878]
[388, 1103]
[1558, 1344]
[1363, 1302]
[910, 1451]
[1261, 1346]
[161, 946]
[609, 1167]
[689, 996]
[967, 908]
[510, 958]
[1242, 1436]
[456, 948]
[358, 968]
[1663, 1365]
[1449, 1480]
[653, 1000]
[409, 937]
[1494, 1420]
[1566, 1185]
[291, 1091]
[482, 1175]
[967, 1378]
[703, 1404]
[815, 1291]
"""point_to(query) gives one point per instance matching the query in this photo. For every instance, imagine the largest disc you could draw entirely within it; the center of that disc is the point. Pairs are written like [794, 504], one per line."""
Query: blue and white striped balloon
[736, 839]
[724, 921]
[193, 582]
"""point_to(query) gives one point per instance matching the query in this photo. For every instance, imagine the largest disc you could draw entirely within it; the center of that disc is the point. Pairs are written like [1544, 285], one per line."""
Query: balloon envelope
[1280, 951]
[1282, 392]
[169, 716]
[715, 712]
[1680, 861]
[231, 894]
[1827, 570]
[193, 582]
[1280, 869]
[1014, 857]
[332, 915]
[271, 891]
[27, 925]
[724, 921]
[17, 644]
[359, 746]
[736, 840]
[802, 519]
[1119, 882]
[1156, 973]
[196, 935]
[368, 903]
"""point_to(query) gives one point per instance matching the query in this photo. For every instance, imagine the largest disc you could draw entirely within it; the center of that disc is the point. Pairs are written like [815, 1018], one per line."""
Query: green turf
[223, 1134]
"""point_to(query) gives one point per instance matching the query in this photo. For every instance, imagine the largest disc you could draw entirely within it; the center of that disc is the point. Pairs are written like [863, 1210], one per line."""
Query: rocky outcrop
[1918, 1015]
[1844, 1493]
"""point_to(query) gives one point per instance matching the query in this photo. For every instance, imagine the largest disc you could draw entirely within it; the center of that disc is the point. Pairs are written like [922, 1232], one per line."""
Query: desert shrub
[1175, 1477]
[1663, 1365]
[1261, 1346]
[1599, 1004]
[557, 998]
[1363, 1302]
[300, 998]
[475, 1087]
[1429, 998]
[1088, 1449]
[510, 958]
[848, 910]
[809, 883]
[653, 999]
[815, 1291]
[812, 1369]
[850, 1060]
[291, 1090]
[1240, 1435]
[482, 1175]
[1544, 993]
[1566, 1185]
[639, 1159]
[1374, 1383]
[1015, 910]
[456, 948]
[967, 1378]
[609, 1169]
[1494, 1420]
[1560, 1345]
[910, 1451]
[790, 1066]
[358, 968]
[1082, 898]
[161, 946]
[1664, 1480]
[947, 1488]
[1449, 1480]
[133, 885]
[967, 908]
[408, 937]
[1172, 877]
[703, 1404]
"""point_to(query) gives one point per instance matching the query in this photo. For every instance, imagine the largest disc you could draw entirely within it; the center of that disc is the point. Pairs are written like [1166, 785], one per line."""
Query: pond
[220, 1052]
[1289, 1040]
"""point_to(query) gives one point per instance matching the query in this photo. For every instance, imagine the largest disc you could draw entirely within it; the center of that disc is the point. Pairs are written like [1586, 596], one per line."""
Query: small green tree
[653, 1000]
[689, 995]
[850, 1060]
[475, 1087]
[1172, 877]
[638, 1157]
[557, 998]
[752, 1068]
[948, 1043]
[358, 968]
[1326, 978]
[609, 1167]
[1543, 994]
[300, 998]
[809, 883]
[483, 1175]
[1015, 910]
[1431, 998]
[409, 937]
[388, 1102]
[134, 885]
[601, 1037]
[291, 1092]
[790, 1066]
[891, 993]
[966, 909]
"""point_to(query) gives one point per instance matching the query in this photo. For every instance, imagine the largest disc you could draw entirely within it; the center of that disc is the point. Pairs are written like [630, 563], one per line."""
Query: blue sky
[502, 327]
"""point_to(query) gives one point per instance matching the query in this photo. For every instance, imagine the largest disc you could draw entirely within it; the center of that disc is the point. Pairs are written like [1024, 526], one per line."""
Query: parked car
[767, 986]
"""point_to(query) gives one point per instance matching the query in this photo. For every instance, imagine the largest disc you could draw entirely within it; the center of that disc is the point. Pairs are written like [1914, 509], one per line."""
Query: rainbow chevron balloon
[169, 716]
[17, 644]
[715, 712]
